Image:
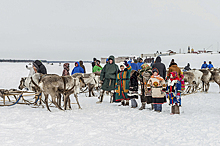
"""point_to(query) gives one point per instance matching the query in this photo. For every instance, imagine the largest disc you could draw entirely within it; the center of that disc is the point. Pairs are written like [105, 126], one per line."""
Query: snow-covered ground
[107, 124]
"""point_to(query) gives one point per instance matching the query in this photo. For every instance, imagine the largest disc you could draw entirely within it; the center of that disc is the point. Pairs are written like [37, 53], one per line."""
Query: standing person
[204, 65]
[187, 68]
[133, 89]
[145, 74]
[182, 82]
[174, 91]
[81, 64]
[172, 62]
[140, 63]
[173, 68]
[108, 77]
[134, 65]
[122, 84]
[210, 66]
[77, 69]
[94, 62]
[106, 61]
[129, 62]
[160, 67]
[156, 85]
[66, 69]
[39, 67]
[97, 68]
[152, 62]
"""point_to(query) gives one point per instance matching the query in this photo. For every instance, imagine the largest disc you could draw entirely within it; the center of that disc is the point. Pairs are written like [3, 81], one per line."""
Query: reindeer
[91, 81]
[216, 76]
[66, 85]
[193, 77]
[205, 79]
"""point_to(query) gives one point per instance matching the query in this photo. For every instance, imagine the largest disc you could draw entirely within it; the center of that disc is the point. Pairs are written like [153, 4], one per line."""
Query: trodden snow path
[109, 124]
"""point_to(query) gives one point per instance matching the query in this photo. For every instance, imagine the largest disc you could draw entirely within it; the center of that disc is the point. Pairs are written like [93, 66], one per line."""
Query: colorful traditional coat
[182, 82]
[122, 84]
[156, 85]
[174, 91]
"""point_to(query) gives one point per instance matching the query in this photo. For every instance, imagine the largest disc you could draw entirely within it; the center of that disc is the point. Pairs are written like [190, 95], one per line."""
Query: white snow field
[107, 124]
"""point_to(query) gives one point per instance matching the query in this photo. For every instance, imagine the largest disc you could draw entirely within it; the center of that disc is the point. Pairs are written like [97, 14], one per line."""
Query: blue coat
[77, 69]
[204, 66]
[134, 66]
[129, 62]
[139, 64]
[210, 66]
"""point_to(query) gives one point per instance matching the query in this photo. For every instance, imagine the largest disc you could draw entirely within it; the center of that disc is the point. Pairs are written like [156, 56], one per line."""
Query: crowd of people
[122, 83]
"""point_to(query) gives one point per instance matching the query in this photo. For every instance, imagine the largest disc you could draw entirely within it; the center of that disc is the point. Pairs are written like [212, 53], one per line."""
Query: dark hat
[37, 64]
[94, 59]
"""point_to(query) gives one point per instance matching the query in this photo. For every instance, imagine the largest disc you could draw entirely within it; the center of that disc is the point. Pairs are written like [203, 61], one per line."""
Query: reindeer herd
[200, 79]
[61, 87]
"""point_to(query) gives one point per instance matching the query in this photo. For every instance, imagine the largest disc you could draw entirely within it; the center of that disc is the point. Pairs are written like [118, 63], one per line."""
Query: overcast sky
[83, 29]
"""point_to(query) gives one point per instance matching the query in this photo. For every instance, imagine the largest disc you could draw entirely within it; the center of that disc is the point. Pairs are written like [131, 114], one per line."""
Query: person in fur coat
[156, 85]
[133, 89]
[174, 89]
[145, 74]
[81, 64]
[66, 69]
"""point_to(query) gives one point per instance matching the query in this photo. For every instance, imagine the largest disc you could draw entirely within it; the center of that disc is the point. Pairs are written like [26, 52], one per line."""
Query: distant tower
[188, 49]
[180, 51]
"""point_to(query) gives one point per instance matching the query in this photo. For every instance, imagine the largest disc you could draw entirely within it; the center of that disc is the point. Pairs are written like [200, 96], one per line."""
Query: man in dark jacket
[94, 62]
[140, 63]
[108, 77]
[187, 68]
[39, 67]
[160, 67]
[81, 64]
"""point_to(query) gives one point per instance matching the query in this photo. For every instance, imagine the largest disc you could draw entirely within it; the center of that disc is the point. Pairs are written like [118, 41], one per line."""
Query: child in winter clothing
[66, 69]
[133, 89]
[156, 85]
[174, 90]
